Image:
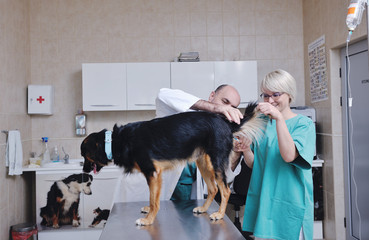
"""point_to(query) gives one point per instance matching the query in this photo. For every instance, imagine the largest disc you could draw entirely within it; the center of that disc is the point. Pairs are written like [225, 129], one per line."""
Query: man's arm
[172, 101]
[231, 113]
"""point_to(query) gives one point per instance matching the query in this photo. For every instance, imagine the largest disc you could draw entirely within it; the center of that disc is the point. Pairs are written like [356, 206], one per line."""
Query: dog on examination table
[63, 200]
[154, 146]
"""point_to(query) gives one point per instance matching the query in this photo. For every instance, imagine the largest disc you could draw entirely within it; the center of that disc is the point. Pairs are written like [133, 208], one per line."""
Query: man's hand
[231, 113]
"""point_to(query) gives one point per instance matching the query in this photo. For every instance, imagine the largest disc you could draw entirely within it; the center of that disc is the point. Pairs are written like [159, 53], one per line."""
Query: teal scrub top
[184, 186]
[280, 196]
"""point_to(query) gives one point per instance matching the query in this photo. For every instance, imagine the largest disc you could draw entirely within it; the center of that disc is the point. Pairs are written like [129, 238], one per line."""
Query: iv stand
[367, 23]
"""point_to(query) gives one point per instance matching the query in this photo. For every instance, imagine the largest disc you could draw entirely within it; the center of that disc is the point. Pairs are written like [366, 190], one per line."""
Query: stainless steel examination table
[175, 220]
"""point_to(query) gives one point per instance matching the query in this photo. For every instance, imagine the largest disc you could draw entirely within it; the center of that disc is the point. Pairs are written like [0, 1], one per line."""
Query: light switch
[40, 99]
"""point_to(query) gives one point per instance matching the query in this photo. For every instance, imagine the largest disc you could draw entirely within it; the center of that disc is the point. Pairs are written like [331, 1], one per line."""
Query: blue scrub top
[280, 196]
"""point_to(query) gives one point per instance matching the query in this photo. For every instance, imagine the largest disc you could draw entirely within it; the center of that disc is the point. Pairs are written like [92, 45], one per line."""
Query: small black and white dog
[100, 215]
[63, 200]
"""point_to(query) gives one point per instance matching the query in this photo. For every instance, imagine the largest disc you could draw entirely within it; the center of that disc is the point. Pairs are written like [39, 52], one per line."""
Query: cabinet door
[240, 74]
[44, 181]
[196, 78]
[104, 86]
[143, 83]
[103, 188]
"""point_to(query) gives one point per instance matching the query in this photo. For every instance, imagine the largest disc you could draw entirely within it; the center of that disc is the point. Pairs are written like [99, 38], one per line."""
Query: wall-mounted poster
[318, 70]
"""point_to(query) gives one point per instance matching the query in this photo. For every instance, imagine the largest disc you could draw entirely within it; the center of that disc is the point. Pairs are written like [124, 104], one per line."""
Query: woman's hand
[269, 110]
[286, 144]
[241, 144]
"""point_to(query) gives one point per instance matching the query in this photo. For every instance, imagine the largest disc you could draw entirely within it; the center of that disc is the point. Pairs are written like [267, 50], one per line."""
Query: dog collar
[108, 140]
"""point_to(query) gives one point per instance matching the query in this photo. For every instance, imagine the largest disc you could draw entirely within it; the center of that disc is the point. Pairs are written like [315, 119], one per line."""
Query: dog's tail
[252, 125]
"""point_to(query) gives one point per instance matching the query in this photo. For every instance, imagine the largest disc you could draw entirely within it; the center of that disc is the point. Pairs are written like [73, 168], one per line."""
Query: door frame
[353, 49]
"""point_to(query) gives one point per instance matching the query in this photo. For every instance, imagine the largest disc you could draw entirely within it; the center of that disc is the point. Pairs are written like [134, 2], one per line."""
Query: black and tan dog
[152, 147]
[63, 200]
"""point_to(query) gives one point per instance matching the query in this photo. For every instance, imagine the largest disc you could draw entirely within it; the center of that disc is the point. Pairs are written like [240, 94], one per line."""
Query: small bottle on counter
[46, 154]
[55, 154]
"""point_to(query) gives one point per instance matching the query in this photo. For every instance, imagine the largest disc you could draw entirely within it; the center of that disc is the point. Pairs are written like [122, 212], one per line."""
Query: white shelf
[318, 230]
[318, 163]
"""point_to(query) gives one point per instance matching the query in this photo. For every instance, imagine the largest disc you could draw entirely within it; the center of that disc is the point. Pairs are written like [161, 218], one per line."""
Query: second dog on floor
[63, 200]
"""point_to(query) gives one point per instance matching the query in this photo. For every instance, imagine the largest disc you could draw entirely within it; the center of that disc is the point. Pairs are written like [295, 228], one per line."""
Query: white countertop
[77, 164]
[74, 164]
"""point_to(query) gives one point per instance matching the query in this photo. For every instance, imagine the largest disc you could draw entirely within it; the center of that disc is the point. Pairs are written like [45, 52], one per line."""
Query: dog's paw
[143, 222]
[199, 210]
[56, 226]
[145, 209]
[91, 226]
[75, 223]
[216, 216]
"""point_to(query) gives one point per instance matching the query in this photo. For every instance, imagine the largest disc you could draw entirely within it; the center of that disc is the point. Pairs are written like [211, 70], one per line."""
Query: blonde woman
[280, 197]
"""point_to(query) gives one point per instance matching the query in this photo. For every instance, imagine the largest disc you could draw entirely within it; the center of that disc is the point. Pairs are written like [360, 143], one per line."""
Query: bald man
[223, 100]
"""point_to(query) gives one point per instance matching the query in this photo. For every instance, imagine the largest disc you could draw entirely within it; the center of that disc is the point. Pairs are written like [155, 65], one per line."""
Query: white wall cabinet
[240, 74]
[196, 78]
[104, 86]
[134, 86]
[200, 78]
[143, 83]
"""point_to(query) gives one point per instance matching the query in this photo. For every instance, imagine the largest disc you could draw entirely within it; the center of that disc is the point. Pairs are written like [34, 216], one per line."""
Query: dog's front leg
[56, 211]
[154, 183]
[75, 214]
[55, 219]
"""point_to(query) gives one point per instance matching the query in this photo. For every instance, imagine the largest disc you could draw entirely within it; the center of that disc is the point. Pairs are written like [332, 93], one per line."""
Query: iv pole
[367, 24]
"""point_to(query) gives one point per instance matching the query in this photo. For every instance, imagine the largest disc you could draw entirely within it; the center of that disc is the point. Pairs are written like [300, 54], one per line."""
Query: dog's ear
[116, 128]
[100, 153]
[83, 177]
[70, 178]
[93, 151]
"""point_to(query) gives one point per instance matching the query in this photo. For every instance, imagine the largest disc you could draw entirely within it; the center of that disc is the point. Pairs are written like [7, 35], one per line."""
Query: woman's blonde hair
[279, 81]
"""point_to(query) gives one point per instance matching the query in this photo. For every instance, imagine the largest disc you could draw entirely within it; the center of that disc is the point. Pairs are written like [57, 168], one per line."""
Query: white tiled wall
[45, 42]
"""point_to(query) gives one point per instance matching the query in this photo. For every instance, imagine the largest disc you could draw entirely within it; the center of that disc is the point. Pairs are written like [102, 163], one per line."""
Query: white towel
[14, 153]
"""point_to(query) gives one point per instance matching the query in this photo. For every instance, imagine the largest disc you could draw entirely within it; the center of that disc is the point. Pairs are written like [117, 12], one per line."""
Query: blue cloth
[280, 197]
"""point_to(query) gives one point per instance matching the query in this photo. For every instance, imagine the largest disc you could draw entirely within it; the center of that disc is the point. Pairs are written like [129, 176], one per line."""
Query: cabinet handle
[145, 104]
[103, 105]
[95, 178]
[104, 178]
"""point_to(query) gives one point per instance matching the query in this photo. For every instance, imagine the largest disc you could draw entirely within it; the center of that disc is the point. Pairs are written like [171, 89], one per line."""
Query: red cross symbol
[40, 99]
